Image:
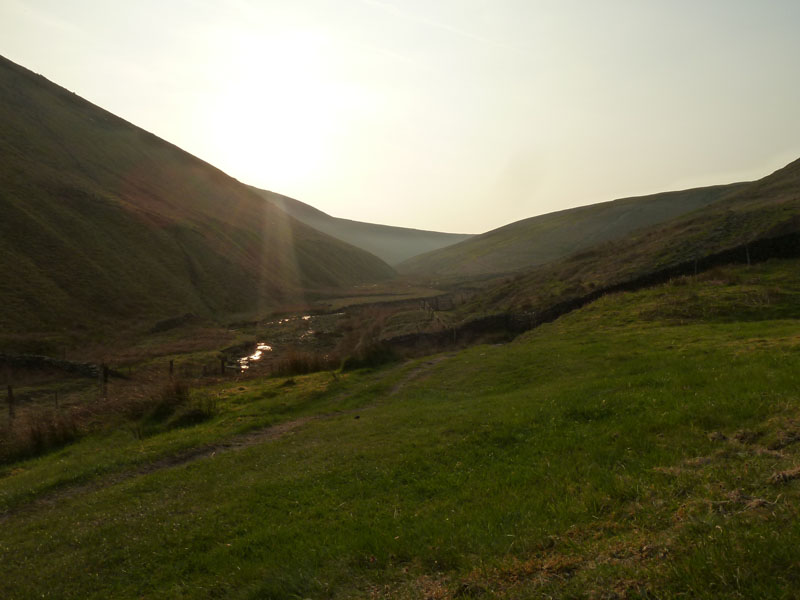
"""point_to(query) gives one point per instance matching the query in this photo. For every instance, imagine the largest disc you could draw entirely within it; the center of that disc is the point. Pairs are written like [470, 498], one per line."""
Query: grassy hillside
[392, 244]
[766, 209]
[104, 222]
[645, 446]
[543, 239]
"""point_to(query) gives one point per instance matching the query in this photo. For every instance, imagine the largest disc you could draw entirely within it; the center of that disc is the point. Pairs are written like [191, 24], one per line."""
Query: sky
[451, 115]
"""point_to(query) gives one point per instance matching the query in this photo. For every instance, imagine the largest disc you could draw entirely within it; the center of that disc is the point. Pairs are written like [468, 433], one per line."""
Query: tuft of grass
[37, 432]
[302, 363]
[168, 406]
[198, 411]
[371, 355]
[173, 394]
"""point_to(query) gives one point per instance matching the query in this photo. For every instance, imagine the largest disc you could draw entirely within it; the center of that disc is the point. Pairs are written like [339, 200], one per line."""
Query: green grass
[624, 448]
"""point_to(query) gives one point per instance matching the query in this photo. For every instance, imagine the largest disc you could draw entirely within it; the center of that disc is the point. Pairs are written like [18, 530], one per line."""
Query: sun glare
[275, 117]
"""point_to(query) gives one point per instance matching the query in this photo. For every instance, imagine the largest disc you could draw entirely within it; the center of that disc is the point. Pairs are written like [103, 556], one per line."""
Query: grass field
[645, 446]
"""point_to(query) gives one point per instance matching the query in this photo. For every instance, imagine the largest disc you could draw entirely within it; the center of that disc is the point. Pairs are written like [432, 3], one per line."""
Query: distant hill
[103, 221]
[392, 244]
[543, 239]
[751, 214]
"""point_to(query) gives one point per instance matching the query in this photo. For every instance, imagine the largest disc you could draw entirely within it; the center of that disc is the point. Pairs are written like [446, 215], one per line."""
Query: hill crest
[545, 238]
[389, 243]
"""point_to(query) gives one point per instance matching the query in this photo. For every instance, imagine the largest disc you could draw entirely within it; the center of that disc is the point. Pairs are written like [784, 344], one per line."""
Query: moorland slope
[103, 222]
[391, 244]
[546, 238]
[755, 221]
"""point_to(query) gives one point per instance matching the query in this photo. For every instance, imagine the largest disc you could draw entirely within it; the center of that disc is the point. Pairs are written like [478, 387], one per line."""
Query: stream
[284, 333]
[261, 348]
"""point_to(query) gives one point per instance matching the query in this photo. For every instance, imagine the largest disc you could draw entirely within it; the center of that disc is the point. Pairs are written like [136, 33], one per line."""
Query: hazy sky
[456, 115]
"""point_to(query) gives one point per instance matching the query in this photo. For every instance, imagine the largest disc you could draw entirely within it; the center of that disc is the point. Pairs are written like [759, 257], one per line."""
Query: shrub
[197, 412]
[36, 433]
[370, 355]
[172, 394]
[301, 363]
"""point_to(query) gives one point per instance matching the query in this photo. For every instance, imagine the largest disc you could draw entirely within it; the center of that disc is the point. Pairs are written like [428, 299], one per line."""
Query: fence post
[171, 368]
[56, 399]
[11, 410]
[222, 366]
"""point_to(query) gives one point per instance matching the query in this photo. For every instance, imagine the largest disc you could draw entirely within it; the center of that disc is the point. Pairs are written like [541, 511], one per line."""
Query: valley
[210, 390]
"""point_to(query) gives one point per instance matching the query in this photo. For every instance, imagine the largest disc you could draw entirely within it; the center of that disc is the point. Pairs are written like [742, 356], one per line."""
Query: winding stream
[263, 349]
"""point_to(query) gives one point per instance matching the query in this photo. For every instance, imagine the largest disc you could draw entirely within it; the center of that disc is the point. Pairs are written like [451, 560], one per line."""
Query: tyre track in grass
[237, 442]
[234, 443]
[418, 372]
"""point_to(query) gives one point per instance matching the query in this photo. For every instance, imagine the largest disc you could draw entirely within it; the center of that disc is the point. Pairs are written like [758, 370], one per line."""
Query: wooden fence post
[222, 366]
[105, 381]
[11, 408]
[171, 368]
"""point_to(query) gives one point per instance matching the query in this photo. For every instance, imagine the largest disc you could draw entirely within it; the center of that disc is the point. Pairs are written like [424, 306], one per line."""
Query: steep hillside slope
[546, 238]
[392, 244]
[102, 220]
[764, 215]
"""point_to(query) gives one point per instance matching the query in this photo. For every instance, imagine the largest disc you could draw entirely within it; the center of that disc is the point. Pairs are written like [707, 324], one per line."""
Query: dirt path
[235, 443]
[238, 442]
[421, 370]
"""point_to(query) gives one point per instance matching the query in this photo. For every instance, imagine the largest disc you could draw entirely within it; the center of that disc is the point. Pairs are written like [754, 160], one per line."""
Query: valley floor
[645, 446]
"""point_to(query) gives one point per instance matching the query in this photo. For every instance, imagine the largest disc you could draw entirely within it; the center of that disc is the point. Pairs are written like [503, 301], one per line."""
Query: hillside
[645, 446]
[102, 222]
[740, 226]
[391, 244]
[543, 239]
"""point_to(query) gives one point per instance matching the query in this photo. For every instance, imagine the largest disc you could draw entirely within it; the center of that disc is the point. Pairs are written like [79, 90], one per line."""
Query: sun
[274, 116]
